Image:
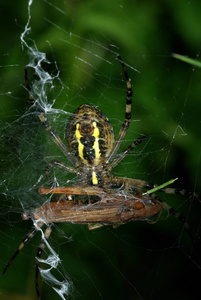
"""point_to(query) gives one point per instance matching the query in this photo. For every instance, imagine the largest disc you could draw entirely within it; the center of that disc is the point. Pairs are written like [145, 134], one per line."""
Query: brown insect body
[111, 208]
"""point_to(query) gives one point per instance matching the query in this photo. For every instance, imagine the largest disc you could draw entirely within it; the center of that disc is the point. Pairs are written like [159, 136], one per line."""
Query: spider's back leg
[38, 255]
[27, 238]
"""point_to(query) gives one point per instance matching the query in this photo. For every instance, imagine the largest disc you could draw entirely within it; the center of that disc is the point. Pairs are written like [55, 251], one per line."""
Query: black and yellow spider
[98, 197]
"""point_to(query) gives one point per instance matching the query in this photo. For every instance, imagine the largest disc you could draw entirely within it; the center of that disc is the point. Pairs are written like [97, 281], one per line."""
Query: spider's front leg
[56, 139]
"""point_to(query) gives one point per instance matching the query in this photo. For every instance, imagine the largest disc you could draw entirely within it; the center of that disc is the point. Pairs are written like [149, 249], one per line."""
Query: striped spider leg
[41, 247]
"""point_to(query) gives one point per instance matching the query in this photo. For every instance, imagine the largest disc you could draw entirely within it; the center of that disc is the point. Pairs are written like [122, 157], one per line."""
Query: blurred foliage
[137, 260]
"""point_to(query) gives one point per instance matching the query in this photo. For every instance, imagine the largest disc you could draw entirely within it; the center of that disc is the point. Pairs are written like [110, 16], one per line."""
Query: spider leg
[176, 214]
[132, 184]
[27, 238]
[178, 191]
[56, 139]
[60, 165]
[127, 119]
[38, 255]
[121, 155]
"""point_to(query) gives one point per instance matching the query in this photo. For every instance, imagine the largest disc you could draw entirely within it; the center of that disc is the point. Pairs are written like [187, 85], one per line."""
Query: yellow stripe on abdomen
[96, 142]
[80, 145]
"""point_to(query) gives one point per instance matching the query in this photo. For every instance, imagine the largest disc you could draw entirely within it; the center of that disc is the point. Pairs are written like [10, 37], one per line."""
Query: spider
[98, 197]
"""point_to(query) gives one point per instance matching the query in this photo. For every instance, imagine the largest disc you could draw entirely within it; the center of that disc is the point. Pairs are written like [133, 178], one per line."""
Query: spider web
[70, 50]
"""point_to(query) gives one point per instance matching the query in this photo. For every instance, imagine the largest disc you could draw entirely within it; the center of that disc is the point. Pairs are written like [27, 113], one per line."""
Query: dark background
[137, 260]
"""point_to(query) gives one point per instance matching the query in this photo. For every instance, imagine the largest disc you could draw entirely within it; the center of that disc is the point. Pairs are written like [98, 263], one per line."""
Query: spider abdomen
[89, 135]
